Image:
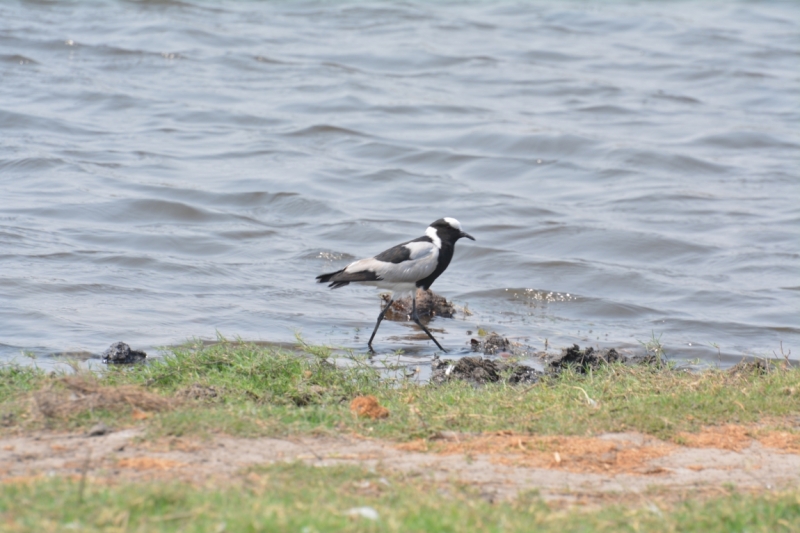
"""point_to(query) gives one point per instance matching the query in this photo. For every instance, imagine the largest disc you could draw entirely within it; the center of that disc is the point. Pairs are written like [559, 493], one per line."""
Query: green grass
[296, 497]
[249, 390]
[19, 379]
[266, 391]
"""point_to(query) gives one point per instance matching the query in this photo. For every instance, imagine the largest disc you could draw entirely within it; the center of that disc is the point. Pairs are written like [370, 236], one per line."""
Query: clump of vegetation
[258, 374]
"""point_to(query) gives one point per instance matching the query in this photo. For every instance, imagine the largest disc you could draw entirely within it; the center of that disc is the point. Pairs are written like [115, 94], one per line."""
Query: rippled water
[170, 169]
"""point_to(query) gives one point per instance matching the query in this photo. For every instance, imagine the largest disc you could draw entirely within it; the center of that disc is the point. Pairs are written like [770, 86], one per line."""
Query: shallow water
[174, 169]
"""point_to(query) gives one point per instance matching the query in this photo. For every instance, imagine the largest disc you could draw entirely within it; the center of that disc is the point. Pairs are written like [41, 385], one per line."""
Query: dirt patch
[148, 463]
[571, 453]
[728, 437]
[82, 392]
[738, 438]
[781, 440]
[568, 469]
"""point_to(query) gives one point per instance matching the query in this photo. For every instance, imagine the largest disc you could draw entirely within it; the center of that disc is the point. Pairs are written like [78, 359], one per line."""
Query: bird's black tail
[325, 278]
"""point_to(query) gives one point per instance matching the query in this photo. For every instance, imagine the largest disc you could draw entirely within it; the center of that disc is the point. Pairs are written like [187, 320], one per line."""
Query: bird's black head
[449, 230]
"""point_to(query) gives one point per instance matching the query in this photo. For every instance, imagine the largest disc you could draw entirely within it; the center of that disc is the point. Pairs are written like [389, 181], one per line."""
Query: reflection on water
[175, 169]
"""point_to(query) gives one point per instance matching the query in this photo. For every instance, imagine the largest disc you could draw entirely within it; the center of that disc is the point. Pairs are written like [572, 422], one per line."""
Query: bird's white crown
[453, 223]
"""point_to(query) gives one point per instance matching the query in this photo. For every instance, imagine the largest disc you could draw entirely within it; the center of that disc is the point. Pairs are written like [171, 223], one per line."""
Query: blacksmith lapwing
[405, 267]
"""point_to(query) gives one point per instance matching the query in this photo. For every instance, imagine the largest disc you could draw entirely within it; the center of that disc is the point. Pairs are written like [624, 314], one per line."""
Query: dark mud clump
[310, 395]
[491, 344]
[480, 371]
[645, 360]
[520, 374]
[750, 368]
[473, 369]
[120, 353]
[429, 304]
[583, 360]
[200, 393]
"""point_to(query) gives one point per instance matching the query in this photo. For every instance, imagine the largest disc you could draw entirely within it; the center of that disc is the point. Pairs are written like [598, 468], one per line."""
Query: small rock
[98, 430]
[120, 353]
[446, 435]
[364, 512]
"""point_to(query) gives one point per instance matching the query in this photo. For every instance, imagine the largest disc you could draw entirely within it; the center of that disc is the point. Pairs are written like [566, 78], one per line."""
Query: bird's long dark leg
[415, 318]
[378, 323]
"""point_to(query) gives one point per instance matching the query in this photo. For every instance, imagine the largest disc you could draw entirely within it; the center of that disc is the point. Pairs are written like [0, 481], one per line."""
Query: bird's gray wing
[420, 263]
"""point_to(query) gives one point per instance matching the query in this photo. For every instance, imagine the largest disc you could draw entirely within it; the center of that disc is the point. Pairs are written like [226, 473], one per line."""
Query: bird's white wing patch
[362, 265]
[408, 271]
[419, 249]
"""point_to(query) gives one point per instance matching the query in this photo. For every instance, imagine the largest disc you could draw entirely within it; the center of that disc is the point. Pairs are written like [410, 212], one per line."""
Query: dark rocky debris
[747, 368]
[491, 344]
[583, 360]
[120, 353]
[429, 304]
[309, 395]
[8, 419]
[200, 393]
[98, 430]
[520, 374]
[474, 369]
[480, 371]
[644, 360]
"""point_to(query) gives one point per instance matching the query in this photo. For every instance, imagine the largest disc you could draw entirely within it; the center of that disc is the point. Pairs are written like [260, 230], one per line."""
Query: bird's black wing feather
[398, 254]
[340, 278]
[395, 254]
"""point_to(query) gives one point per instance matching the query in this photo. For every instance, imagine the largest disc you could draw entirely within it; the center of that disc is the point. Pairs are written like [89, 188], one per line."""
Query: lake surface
[178, 169]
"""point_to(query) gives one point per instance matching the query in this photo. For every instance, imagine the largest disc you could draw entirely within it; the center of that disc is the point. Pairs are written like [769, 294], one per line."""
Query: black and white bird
[405, 267]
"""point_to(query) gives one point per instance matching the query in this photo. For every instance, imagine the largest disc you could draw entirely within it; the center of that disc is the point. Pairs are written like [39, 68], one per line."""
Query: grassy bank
[247, 390]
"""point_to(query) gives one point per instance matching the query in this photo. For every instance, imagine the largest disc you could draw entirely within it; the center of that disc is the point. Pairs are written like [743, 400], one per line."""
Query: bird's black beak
[467, 235]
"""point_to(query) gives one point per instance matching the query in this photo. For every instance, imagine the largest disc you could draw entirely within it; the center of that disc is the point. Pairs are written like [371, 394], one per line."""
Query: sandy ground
[562, 469]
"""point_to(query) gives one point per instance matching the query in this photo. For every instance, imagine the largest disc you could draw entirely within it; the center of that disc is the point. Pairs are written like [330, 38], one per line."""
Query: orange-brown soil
[562, 468]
